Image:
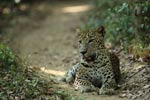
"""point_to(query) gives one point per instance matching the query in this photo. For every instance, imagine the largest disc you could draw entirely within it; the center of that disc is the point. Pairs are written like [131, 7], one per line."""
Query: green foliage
[7, 57]
[95, 16]
[123, 25]
[19, 81]
[120, 24]
[143, 21]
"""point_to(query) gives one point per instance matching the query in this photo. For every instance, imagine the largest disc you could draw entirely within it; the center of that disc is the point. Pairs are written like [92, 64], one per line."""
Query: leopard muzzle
[89, 58]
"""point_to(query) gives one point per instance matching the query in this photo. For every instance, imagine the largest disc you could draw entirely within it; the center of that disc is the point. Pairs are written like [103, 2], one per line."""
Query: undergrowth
[17, 81]
[126, 22]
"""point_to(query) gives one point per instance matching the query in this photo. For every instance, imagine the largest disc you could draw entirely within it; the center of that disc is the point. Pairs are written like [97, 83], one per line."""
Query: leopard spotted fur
[98, 70]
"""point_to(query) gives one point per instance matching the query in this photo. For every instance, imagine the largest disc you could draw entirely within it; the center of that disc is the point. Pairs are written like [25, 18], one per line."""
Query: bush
[7, 57]
[120, 24]
[127, 22]
[18, 82]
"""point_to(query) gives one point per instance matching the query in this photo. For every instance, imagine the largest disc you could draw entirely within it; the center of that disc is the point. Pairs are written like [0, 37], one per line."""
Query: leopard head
[90, 42]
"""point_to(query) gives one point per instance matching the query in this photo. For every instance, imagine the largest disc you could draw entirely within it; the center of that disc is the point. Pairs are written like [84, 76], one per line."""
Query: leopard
[98, 70]
[70, 74]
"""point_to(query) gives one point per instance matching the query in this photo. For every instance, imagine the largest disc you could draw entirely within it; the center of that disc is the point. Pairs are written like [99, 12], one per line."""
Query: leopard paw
[69, 80]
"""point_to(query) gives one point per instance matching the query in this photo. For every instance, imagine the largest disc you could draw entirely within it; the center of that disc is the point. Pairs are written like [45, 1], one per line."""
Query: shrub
[127, 22]
[7, 57]
[17, 81]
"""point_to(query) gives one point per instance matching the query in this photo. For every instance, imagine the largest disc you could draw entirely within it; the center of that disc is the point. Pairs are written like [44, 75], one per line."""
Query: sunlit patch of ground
[52, 72]
[47, 71]
[76, 9]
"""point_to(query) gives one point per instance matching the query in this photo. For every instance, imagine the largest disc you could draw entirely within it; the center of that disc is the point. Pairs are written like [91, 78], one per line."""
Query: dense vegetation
[17, 81]
[127, 23]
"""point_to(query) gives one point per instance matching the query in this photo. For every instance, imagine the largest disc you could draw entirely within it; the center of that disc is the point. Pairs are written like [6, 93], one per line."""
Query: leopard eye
[91, 40]
[80, 41]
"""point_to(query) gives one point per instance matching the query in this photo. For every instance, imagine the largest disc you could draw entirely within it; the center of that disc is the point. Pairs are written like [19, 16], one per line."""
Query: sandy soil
[46, 39]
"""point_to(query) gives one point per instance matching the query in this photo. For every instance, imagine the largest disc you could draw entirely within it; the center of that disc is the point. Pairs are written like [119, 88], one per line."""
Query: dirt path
[49, 42]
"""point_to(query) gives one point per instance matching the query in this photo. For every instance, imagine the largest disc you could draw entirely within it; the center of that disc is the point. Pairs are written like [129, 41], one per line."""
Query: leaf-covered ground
[18, 81]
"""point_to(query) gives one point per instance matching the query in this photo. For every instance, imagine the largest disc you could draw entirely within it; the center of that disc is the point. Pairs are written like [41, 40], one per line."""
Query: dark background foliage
[127, 22]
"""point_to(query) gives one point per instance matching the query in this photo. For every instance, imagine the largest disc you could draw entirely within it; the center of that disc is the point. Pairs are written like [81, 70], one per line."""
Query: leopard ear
[101, 30]
[78, 30]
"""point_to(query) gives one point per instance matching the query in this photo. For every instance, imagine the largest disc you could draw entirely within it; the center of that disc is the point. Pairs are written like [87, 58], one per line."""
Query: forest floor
[46, 39]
